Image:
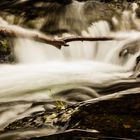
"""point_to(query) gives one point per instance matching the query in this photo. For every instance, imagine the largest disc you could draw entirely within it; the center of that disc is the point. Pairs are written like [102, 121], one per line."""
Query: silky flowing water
[42, 72]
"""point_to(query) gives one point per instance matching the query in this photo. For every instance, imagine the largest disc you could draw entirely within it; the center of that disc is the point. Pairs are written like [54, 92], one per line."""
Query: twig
[81, 38]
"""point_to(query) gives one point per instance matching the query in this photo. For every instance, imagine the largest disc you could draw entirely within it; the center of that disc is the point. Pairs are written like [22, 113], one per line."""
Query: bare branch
[14, 31]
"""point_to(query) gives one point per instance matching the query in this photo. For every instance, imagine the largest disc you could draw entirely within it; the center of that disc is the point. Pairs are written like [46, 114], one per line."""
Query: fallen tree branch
[15, 31]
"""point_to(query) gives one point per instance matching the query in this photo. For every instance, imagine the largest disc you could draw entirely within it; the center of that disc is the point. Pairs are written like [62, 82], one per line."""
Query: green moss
[3, 45]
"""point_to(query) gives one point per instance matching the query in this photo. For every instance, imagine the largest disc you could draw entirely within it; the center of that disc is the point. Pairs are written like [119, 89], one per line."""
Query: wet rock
[116, 115]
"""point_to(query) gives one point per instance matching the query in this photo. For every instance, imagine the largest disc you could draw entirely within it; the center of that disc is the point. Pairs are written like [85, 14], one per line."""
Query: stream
[80, 72]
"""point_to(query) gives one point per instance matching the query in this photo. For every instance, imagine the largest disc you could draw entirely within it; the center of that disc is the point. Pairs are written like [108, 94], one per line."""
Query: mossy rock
[6, 50]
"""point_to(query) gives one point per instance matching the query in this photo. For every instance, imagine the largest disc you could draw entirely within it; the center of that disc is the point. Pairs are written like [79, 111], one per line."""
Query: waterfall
[39, 52]
[42, 71]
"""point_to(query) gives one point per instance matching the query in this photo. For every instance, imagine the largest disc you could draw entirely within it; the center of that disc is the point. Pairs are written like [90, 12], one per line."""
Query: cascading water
[42, 72]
